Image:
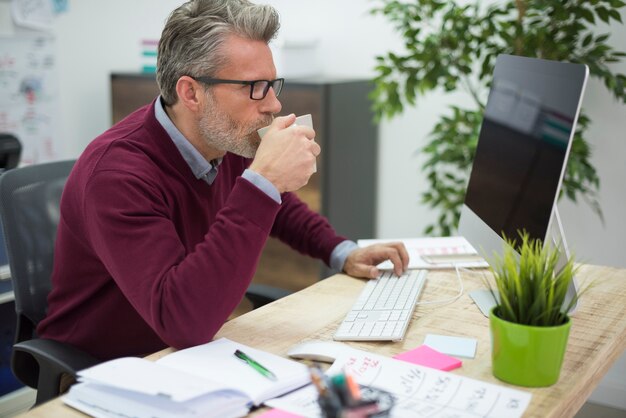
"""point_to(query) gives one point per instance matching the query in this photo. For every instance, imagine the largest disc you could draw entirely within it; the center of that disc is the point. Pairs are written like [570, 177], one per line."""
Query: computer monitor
[525, 138]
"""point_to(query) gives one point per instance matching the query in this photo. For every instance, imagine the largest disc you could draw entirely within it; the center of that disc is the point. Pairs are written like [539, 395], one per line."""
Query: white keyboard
[384, 308]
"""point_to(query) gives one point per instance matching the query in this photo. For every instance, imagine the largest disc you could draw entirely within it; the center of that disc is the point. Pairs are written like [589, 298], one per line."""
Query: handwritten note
[419, 391]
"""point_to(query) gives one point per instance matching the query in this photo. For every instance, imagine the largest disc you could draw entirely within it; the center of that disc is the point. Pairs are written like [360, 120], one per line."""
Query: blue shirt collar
[200, 167]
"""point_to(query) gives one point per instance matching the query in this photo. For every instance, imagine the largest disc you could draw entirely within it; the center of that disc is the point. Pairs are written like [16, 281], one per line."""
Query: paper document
[419, 391]
[434, 253]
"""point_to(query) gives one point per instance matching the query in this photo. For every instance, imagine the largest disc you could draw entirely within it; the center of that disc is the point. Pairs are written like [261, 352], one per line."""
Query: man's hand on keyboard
[362, 262]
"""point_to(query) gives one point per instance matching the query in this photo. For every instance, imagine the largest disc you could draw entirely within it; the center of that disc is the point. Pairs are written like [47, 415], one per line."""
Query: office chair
[260, 294]
[29, 209]
[10, 151]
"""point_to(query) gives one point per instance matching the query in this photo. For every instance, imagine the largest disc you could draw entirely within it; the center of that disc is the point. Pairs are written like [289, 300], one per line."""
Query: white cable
[452, 299]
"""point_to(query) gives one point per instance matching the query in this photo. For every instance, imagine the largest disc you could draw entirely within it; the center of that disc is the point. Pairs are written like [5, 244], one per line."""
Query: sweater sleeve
[184, 297]
[305, 230]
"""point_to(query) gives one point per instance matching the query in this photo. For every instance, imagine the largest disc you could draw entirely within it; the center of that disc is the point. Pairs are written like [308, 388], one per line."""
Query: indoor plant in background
[450, 46]
[529, 325]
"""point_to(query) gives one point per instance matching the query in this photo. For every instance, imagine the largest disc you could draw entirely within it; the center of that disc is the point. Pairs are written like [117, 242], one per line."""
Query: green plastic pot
[527, 355]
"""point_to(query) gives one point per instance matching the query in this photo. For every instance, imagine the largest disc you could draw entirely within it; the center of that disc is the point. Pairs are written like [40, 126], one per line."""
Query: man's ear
[190, 93]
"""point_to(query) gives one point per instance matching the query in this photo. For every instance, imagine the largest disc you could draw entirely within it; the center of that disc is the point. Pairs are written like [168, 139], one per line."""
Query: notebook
[207, 380]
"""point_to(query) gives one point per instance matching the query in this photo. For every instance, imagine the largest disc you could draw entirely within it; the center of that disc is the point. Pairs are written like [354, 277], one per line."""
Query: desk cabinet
[344, 187]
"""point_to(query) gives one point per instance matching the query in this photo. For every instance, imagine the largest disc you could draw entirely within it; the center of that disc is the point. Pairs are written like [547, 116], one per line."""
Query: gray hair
[192, 39]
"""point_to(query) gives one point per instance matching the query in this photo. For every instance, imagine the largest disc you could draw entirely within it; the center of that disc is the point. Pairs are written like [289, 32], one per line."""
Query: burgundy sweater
[148, 256]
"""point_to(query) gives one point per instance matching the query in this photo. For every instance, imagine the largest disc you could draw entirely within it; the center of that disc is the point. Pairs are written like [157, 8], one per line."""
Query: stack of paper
[203, 381]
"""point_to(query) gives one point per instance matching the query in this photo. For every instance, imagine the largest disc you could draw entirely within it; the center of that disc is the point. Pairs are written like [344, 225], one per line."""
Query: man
[164, 216]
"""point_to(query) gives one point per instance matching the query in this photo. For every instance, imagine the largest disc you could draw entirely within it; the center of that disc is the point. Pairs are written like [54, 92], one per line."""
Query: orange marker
[353, 387]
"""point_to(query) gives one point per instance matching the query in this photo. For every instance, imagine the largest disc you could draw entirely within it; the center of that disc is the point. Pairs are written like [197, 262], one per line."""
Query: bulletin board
[29, 99]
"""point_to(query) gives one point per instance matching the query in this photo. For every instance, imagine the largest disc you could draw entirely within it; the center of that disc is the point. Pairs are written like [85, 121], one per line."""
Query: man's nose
[271, 104]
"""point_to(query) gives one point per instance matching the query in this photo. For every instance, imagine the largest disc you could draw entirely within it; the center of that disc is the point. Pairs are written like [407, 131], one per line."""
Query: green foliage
[449, 160]
[531, 291]
[453, 47]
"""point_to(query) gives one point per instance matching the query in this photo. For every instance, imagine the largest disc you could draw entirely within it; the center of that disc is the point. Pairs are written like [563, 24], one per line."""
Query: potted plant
[452, 46]
[529, 325]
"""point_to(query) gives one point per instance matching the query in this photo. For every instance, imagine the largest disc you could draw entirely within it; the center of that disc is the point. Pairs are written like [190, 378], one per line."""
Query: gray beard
[221, 132]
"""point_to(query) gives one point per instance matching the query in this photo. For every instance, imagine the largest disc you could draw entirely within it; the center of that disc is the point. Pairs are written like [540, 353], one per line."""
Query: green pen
[255, 365]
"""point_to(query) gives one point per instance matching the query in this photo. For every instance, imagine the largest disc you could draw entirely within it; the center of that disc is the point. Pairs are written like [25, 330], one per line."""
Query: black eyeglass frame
[269, 83]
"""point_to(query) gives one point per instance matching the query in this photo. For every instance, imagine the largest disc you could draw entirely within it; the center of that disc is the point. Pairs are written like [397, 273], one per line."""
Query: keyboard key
[367, 329]
[351, 316]
[378, 328]
[404, 315]
[344, 328]
[390, 327]
[356, 328]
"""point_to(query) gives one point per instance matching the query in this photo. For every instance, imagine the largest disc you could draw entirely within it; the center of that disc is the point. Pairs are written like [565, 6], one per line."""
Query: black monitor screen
[523, 143]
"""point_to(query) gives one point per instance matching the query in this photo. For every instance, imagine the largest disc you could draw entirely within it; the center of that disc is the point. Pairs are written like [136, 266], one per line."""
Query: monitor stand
[483, 298]
[557, 235]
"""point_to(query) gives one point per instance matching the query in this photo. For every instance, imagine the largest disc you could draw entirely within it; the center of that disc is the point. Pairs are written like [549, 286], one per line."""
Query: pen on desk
[255, 365]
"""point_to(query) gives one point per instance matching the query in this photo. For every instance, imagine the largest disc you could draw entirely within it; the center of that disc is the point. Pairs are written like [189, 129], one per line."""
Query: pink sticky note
[278, 413]
[426, 356]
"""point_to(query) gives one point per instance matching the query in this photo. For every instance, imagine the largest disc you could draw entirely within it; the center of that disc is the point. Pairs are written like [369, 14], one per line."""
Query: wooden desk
[598, 334]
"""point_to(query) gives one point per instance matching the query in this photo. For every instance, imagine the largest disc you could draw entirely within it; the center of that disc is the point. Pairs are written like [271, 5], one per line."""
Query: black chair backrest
[10, 151]
[29, 208]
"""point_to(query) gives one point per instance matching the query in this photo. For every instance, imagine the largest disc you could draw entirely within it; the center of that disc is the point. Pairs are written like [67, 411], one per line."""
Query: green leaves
[435, 57]
[449, 157]
[530, 288]
[452, 47]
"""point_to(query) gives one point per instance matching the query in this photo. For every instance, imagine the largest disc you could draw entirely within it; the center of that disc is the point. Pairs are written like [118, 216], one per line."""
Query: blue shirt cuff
[264, 184]
[340, 253]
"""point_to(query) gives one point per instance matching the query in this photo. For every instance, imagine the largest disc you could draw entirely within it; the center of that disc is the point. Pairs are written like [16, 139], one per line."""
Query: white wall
[96, 37]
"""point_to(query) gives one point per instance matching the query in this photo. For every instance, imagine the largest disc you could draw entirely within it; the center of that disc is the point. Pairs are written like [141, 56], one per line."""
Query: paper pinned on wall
[33, 14]
[29, 98]
[6, 22]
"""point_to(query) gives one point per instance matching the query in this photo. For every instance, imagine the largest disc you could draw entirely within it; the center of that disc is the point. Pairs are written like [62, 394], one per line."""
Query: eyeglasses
[258, 88]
